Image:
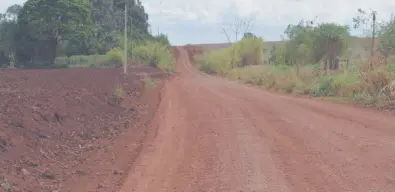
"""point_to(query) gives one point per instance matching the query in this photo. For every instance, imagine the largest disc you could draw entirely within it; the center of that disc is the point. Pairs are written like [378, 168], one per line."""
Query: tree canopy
[35, 33]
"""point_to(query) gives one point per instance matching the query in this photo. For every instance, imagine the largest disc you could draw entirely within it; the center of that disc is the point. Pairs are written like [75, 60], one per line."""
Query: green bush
[248, 51]
[115, 57]
[154, 54]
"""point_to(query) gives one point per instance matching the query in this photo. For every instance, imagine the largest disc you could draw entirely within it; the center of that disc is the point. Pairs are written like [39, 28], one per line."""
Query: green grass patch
[154, 54]
[149, 83]
[248, 51]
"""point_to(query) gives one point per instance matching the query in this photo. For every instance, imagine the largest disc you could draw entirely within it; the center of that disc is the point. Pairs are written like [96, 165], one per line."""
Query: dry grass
[357, 85]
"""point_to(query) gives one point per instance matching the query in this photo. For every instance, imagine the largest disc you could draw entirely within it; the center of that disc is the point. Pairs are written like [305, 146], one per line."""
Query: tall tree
[386, 35]
[8, 27]
[108, 16]
[42, 24]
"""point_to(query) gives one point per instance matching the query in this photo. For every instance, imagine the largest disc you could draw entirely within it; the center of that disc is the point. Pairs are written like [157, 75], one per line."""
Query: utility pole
[373, 38]
[126, 41]
[373, 33]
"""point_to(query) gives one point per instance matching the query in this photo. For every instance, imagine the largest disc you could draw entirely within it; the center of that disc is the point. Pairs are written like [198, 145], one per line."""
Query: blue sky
[191, 21]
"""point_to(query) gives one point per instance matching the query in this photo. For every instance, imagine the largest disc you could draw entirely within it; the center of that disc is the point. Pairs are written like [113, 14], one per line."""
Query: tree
[249, 35]
[235, 28]
[300, 34]
[364, 21]
[272, 58]
[310, 41]
[8, 27]
[386, 34]
[108, 16]
[330, 40]
[43, 24]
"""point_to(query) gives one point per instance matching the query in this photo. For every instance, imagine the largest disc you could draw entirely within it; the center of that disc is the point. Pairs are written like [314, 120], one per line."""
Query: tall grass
[357, 83]
[154, 54]
[81, 60]
[357, 86]
[248, 51]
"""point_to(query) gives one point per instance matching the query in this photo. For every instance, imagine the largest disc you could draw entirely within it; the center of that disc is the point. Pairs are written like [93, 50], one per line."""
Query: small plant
[115, 56]
[119, 93]
[6, 186]
[149, 82]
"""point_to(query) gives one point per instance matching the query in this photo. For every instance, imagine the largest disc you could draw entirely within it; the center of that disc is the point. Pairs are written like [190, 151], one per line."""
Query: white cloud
[269, 12]
[182, 18]
[4, 4]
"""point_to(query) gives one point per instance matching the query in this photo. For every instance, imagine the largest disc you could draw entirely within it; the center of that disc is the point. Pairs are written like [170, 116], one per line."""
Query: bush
[248, 51]
[115, 57]
[154, 54]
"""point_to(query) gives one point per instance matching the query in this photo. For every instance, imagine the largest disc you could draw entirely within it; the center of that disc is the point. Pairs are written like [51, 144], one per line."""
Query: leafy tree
[249, 35]
[43, 24]
[108, 16]
[386, 34]
[8, 27]
[272, 58]
[330, 40]
[313, 42]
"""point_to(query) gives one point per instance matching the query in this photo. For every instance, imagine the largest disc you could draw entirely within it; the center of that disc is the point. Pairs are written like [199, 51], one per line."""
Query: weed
[115, 56]
[6, 186]
[154, 54]
[149, 82]
[119, 93]
[248, 51]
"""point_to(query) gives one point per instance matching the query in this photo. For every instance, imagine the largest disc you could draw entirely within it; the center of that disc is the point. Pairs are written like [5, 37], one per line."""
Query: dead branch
[237, 27]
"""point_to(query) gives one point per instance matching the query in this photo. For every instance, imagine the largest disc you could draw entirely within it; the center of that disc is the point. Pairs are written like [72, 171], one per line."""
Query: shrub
[154, 54]
[248, 51]
[119, 93]
[115, 57]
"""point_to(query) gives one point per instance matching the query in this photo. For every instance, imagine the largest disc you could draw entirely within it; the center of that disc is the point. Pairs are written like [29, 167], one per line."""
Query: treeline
[39, 31]
[316, 59]
[309, 42]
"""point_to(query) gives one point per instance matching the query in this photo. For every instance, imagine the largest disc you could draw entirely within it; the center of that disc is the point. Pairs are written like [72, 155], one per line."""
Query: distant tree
[272, 58]
[386, 34]
[313, 42]
[8, 27]
[249, 35]
[237, 27]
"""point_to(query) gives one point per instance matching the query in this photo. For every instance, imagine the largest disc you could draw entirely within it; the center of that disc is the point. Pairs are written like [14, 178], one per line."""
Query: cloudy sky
[191, 21]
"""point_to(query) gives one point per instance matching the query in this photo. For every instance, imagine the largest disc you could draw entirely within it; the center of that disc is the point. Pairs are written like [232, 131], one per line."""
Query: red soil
[65, 130]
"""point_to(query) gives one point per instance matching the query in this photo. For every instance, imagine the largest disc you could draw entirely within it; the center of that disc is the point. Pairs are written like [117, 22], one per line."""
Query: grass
[355, 83]
[119, 93]
[155, 54]
[245, 52]
[6, 186]
[80, 61]
[355, 86]
[149, 82]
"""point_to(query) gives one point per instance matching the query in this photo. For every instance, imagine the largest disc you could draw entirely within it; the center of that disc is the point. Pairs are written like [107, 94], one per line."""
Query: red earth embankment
[68, 129]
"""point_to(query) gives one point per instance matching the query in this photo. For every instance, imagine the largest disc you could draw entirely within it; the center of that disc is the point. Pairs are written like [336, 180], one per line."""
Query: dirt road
[212, 135]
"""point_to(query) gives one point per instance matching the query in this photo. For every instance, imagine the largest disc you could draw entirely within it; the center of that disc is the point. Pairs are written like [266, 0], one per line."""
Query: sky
[191, 21]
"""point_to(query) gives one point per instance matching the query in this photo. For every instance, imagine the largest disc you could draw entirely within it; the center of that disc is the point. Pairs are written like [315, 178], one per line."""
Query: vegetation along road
[312, 112]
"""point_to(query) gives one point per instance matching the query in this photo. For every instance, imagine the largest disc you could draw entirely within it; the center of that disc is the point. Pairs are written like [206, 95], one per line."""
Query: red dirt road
[213, 135]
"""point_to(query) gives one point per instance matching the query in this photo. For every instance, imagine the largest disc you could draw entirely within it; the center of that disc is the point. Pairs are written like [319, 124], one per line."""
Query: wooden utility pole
[373, 33]
[373, 39]
[125, 64]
